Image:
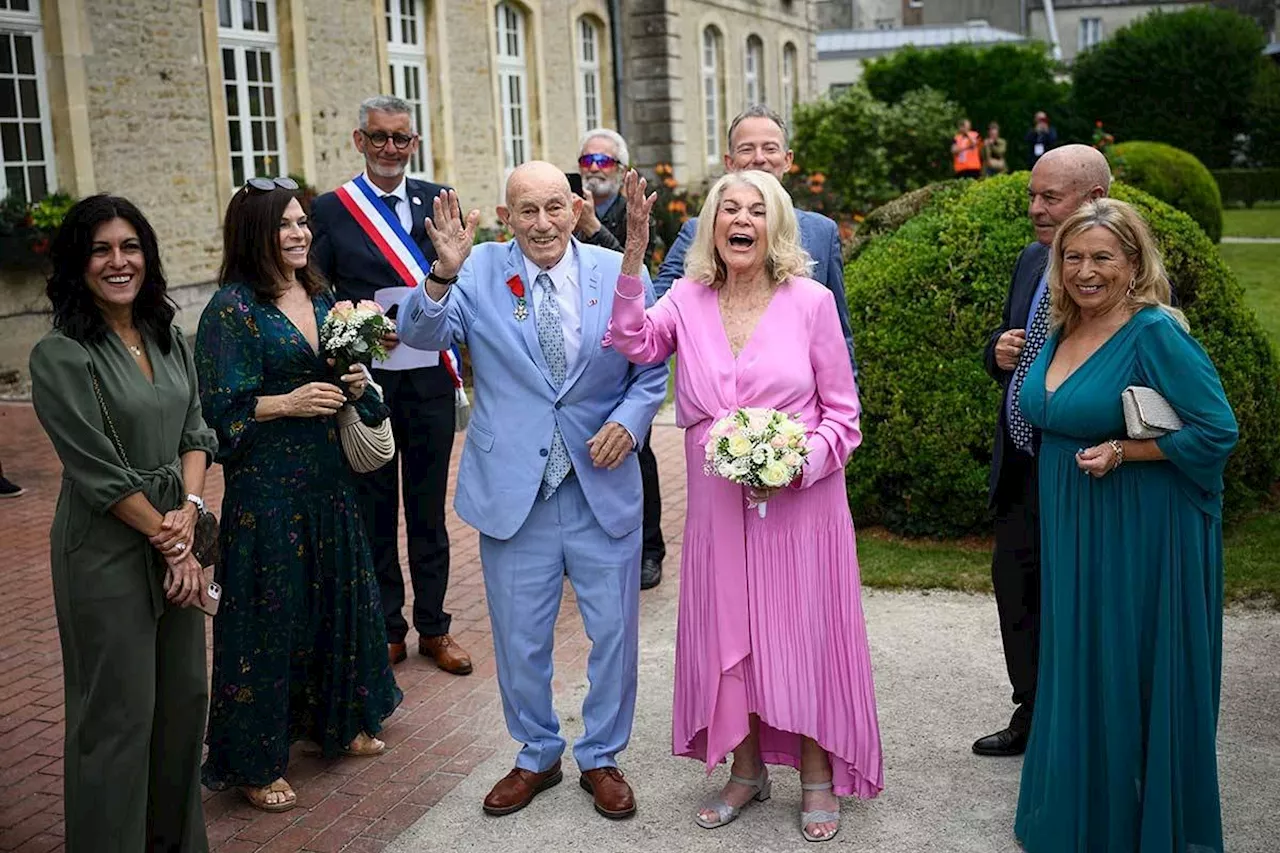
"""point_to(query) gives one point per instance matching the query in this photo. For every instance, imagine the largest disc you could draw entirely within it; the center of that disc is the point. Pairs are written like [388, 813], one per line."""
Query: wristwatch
[198, 501]
[431, 274]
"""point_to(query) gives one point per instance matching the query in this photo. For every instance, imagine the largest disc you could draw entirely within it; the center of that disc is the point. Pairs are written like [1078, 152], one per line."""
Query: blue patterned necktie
[551, 339]
[1037, 332]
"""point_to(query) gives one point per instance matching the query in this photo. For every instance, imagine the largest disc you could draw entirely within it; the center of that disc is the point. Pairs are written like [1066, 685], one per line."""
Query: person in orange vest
[966, 151]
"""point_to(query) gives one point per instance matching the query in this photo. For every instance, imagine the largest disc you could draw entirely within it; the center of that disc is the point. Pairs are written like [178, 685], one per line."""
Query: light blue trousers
[524, 581]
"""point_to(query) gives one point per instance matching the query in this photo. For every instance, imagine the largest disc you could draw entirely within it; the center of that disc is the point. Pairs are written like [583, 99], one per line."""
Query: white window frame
[1089, 33]
[241, 41]
[712, 64]
[407, 61]
[513, 85]
[589, 100]
[753, 71]
[790, 59]
[28, 24]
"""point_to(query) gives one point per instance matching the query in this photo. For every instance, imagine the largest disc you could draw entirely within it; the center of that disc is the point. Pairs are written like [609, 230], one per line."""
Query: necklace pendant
[137, 351]
[522, 311]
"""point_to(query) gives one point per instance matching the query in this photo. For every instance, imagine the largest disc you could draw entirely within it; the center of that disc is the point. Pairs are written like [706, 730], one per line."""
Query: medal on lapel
[521, 312]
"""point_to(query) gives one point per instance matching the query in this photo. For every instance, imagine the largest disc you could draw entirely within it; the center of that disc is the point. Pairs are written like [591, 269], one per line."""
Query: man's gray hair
[386, 104]
[760, 111]
[619, 144]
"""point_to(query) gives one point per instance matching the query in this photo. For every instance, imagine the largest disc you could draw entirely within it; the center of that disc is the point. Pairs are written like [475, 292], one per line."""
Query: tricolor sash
[381, 225]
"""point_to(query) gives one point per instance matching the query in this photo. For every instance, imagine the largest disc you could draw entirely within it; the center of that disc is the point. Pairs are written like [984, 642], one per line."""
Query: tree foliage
[1264, 118]
[1184, 79]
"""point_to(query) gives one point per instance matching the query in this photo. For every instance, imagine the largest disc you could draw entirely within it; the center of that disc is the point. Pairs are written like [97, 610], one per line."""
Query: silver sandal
[818, 815]
[727, 813]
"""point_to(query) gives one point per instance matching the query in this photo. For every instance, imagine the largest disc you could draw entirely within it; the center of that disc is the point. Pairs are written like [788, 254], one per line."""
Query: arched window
[407, 56]
[790, 85]
[588, 74]
[513, 85]
[712, 91]
[753, 71]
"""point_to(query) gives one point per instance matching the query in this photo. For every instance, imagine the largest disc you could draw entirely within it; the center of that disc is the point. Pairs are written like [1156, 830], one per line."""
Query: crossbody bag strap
[106, 417]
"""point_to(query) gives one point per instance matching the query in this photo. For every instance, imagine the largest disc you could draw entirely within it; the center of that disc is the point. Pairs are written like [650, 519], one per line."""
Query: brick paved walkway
[443, 730]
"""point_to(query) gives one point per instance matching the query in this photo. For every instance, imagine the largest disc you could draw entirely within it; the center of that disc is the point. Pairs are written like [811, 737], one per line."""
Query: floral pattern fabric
[299, 645]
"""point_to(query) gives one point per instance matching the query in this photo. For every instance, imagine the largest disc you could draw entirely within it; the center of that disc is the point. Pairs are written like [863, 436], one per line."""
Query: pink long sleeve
[837, 433]
[642, 336]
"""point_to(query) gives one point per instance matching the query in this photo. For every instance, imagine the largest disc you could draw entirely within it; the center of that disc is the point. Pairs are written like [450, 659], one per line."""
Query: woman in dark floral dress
[299, 646]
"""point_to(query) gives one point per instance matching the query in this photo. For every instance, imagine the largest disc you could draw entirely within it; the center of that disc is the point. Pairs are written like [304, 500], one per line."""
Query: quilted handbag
[1147, 414]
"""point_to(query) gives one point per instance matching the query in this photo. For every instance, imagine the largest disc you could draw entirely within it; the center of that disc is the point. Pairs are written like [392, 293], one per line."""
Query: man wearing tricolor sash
[371, 243]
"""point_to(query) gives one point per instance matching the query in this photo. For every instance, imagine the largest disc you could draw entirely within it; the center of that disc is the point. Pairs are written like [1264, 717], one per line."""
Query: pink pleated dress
[771, 616]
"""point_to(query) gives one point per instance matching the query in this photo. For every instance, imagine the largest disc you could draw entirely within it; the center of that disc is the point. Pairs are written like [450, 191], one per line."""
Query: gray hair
[386, 104]
[619, 144]
[760, 111]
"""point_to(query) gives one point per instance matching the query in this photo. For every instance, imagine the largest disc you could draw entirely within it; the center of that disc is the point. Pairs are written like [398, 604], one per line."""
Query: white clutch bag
[366, 448]
[1147, 414]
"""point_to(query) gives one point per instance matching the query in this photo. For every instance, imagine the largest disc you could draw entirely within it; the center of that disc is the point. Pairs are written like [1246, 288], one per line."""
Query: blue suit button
[559, 404]
[543, 451]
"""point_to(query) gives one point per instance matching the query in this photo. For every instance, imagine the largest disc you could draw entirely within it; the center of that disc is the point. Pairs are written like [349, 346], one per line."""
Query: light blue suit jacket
[820, 237]
[516, 406]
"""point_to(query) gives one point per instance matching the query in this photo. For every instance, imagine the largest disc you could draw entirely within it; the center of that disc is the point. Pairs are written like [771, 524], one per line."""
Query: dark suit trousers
[1015, 575]
[422, 419]
[652, 546]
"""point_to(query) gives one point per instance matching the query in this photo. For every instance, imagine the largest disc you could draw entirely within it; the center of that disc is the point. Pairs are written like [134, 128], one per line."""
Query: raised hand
[638, 209]
[450, 233]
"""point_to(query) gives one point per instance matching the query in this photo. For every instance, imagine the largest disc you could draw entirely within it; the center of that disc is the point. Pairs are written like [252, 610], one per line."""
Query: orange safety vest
[967, 158]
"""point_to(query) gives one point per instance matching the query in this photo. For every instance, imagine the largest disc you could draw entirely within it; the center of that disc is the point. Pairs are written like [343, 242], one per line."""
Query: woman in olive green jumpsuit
[133, 472]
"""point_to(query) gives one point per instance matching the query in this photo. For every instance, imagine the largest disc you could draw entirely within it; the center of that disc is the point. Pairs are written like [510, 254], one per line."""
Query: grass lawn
[1253, 560]
[892, 562]
[1257, 266]
[1251, 222]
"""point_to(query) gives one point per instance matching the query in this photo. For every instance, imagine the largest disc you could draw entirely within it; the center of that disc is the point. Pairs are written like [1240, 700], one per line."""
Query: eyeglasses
[379, 140]
[602, 161]
[266, 185]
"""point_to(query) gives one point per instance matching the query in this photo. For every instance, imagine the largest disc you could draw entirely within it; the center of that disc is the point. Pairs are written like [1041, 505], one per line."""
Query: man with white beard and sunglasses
[602, 161]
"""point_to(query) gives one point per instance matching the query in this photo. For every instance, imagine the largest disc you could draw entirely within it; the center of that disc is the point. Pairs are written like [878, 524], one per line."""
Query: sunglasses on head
[602, 161]
[266, 185]
[379, 140]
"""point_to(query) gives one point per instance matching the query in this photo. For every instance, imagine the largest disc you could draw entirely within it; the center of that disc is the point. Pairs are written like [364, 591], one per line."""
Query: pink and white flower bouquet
[758, 448]
[352, 333]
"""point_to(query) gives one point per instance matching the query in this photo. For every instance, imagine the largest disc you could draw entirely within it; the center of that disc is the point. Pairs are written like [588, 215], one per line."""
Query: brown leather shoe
[610, 792]
[447, 654]
[518, 788]
[396, 653]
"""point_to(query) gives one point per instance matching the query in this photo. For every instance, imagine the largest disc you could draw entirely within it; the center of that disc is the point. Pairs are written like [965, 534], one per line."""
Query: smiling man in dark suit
[421, 394]
[1062, 180]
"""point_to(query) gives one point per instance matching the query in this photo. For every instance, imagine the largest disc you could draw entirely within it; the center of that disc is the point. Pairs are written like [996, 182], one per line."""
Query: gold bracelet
[1118, 449]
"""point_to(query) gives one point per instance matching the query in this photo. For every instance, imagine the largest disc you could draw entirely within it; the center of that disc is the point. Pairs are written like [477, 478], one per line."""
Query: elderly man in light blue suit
[548, 473]
[758, 140]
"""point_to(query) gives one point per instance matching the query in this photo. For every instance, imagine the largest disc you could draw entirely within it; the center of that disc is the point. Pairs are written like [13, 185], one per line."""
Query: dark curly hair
[251, 244]
[75, 313]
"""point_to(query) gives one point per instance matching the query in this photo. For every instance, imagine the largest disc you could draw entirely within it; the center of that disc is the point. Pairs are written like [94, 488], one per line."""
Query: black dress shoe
[650, 573]
[1003, 743]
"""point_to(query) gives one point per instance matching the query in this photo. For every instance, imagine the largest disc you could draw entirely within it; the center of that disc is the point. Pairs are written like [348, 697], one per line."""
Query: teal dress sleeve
[1173, 363]
[65, 402]
[196, 434]
[229, 364]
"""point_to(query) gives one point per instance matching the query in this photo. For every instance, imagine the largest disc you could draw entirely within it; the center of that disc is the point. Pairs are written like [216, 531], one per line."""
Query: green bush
[1173, 176]
[1246, 186]
[1184, 78]
[923, 300]
[1264, 117]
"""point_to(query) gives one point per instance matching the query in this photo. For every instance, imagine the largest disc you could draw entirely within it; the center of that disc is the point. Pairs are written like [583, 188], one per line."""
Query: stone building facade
[174, 103]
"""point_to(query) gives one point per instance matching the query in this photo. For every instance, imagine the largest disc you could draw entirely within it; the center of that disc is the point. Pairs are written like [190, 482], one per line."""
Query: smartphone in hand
[575, 183]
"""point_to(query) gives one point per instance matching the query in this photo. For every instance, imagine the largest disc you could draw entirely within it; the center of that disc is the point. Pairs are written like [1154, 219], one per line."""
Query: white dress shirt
[568, 293]
[402, 207]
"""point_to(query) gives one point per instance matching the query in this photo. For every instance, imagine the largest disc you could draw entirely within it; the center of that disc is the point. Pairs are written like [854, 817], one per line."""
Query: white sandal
[818, 815]
[726, 813]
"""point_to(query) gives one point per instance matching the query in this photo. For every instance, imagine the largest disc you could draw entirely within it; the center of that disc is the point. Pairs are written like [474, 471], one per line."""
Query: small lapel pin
[592, 302]
[417, 200]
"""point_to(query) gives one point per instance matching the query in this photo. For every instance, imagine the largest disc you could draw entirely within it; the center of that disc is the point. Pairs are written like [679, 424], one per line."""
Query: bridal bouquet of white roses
[759, 448]
[352, 333]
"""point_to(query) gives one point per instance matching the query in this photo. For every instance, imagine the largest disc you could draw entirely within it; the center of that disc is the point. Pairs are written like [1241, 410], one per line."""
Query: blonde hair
[785, 258]
[1150, 285]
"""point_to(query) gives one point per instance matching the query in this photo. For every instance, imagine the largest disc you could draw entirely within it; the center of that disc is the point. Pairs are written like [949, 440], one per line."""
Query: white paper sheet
[403, 357]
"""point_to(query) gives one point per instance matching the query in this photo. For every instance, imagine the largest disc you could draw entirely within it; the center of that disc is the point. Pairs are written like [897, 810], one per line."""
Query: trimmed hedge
[924, 298]
[1173, 176]
[1248, 185]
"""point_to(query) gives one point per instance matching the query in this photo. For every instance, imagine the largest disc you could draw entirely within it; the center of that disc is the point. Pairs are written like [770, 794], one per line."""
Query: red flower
[517, 286]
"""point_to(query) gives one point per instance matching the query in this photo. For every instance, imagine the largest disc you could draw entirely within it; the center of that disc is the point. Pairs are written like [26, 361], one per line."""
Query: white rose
[739, 468]
[793, 460]
[775, 474]
[739, 445]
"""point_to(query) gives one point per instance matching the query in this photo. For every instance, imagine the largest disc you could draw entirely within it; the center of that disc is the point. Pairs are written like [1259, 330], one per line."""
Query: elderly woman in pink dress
[771, 648]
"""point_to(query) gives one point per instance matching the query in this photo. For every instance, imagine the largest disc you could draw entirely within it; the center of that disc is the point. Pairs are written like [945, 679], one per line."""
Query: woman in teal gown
[299, 645]
[1122, 750]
